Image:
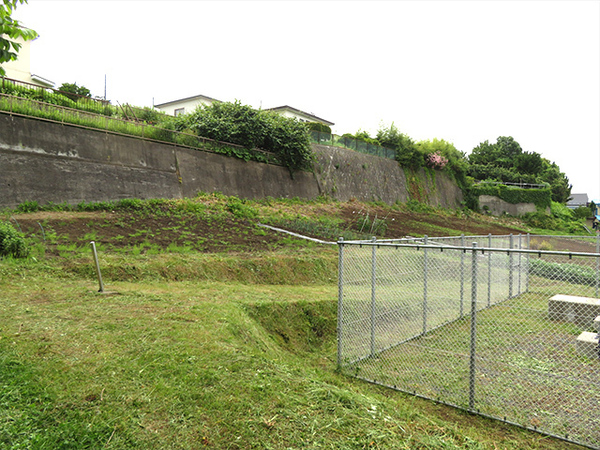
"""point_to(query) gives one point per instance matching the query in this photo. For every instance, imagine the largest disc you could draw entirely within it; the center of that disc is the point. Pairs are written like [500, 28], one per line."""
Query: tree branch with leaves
[10, 31]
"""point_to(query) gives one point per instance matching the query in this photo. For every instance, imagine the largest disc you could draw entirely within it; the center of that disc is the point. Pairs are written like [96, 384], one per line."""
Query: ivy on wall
[541, 198]
[415, 185]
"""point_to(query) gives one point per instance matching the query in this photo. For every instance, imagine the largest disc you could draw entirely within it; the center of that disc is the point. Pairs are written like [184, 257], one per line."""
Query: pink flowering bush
[436, 161]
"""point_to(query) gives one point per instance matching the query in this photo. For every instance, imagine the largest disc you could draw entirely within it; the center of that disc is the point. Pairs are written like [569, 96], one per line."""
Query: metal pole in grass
[473, 328]
[93, 244]
[425, 286]
[489, 284]
[462, 274]
[373, 279]
[340, 300]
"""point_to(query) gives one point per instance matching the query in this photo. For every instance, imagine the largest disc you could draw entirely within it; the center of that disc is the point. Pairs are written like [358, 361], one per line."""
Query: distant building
[577, 200]
[288, 111]
[185, 105]
[188, 104]
[20, 69]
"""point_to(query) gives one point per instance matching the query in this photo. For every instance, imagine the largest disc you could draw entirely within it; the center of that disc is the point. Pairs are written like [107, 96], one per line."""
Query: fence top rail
[433, 240]
[441, 238]
[474, 248]
[594, 236]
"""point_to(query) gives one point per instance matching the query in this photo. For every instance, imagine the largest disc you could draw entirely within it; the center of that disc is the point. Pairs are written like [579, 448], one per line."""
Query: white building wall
[20, 68]
[183, 107]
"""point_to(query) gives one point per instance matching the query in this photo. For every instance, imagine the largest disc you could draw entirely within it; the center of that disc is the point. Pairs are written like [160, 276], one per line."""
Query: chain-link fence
[322, 138]
[488, 324]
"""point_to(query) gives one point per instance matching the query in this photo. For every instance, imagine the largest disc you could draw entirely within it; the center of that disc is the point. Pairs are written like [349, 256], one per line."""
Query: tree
[509, 149]
[12, 29]
[558, 181]
[501, 154]
[74, 92]
[529, 163]
[406, 151]
[505, 161]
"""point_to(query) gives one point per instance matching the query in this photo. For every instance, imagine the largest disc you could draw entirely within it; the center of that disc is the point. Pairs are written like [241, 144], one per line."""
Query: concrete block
[578, 310]
[587, 344]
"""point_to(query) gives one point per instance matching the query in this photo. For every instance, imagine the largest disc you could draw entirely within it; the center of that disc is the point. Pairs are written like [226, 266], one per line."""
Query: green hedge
[571, 273]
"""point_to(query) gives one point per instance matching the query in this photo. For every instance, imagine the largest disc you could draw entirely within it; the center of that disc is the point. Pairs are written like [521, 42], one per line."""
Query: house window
[179, 111]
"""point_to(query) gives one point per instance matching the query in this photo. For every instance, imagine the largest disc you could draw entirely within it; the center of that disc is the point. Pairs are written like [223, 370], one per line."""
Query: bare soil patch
[227, 233]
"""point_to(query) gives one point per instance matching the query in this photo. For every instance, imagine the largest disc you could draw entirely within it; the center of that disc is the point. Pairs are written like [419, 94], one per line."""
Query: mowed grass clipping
[185, 365]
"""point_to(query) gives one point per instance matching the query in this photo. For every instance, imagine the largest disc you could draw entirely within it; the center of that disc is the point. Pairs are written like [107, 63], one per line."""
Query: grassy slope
[172, 358]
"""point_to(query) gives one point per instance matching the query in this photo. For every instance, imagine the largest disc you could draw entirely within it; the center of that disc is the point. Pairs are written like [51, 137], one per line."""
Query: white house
[185, 105]
[20, 69]
[288, 111]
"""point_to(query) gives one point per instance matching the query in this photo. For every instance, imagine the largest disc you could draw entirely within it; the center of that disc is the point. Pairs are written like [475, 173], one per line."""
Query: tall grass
[77, 114]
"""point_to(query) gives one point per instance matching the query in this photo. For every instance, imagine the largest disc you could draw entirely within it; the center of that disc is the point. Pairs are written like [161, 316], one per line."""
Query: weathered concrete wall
[48, 162]
[208, 172]
[497, 206]
[345, 174]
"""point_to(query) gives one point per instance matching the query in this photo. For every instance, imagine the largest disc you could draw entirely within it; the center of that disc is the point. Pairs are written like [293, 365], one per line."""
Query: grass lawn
[193, 346]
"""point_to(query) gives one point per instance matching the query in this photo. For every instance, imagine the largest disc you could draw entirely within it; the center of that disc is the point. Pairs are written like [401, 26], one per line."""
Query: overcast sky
[462, 71]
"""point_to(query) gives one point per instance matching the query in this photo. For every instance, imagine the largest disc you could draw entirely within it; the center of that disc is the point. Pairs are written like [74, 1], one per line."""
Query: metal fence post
[425, 286]
[462, 274]
[528, 243]
[519, 267]
[340, 300]
[510, 267]
[597, 262]
[373, 279]
[489, 283]
[473, 328]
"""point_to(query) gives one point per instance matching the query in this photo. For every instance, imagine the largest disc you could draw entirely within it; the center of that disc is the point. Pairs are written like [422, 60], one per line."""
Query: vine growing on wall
[416, 189]
[541, 198]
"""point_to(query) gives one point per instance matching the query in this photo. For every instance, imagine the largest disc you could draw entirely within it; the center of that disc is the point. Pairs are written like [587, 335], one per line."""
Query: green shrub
[240, 208]
[252, 129]
[95, 206]
[419, 207]
[582, 212]
[318, 126]
[540, 219]
[28, 206]
[129, 204]
[12, 243]
[74, 92]
[561, 212]
[571, 273]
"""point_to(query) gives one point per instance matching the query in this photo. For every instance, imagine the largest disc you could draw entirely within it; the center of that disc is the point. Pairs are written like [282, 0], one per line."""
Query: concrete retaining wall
[345, 174]
[49, 162]
[497, 206]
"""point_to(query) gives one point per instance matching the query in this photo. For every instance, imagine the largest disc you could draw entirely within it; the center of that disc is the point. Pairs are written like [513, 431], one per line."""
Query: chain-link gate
[486, 324]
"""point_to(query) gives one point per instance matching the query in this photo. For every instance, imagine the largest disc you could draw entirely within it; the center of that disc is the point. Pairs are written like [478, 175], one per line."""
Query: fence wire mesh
[488, 324]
